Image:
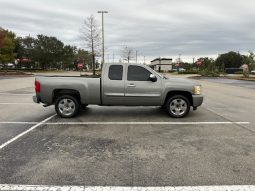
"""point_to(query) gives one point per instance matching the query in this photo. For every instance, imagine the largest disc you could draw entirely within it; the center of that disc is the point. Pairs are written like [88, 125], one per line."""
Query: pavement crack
[131, 154]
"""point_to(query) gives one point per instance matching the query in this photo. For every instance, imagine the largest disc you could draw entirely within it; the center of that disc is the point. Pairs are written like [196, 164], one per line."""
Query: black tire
[178, 106]
[67, 106]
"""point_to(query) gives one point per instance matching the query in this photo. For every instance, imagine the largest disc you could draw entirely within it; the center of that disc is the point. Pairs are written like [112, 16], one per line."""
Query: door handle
[131, 85]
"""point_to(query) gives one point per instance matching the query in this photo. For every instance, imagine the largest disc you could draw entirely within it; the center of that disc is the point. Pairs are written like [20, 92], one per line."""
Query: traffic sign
[80, 66]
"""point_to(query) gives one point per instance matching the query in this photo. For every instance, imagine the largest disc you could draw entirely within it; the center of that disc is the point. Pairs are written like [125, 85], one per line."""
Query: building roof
[161, 59]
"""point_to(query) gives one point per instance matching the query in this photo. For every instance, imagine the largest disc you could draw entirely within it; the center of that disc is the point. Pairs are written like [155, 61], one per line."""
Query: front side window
[138, 73]
[115, 72]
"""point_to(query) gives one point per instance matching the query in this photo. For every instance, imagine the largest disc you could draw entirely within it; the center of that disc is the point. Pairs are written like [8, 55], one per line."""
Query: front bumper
[197, 100]
[36, 99]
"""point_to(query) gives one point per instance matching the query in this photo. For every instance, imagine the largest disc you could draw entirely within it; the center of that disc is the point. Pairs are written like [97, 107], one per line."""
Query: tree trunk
[92, 50]
[93, 64]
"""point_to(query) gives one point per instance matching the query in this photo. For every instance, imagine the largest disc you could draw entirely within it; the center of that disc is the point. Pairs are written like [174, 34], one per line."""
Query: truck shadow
[122, 113]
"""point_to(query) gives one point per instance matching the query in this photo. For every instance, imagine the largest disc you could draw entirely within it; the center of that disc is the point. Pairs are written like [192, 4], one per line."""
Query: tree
[25, 48]
[229, 60]
[208, 64]
[249, 60]
[91, 36]
[68, 56]
[7, 46]
[2, 36]
[83, 56]
[48, 51]
[127, 53]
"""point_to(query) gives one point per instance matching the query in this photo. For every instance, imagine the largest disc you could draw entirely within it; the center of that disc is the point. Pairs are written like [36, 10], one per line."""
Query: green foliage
[7, 46]
[249, 60]
[190, 71]
[229, 60]
[209, 73]
[208, 68]
[239, 72]
[45, 52]
[85, 57]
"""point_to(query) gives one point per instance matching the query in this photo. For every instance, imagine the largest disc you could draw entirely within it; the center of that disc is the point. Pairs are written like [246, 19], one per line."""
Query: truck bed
[89, 88]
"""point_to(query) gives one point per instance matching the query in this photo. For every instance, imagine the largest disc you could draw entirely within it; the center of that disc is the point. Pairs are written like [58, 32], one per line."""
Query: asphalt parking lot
[128, 146]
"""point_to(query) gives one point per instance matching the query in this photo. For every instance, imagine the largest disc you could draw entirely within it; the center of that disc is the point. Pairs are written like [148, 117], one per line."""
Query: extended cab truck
[120, 84]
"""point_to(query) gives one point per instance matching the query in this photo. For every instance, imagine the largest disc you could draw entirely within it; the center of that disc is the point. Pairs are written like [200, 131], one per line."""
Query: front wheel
[67, 106]
[178, 106]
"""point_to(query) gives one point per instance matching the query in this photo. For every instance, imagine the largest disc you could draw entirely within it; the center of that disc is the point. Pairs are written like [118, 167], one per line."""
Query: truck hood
[187, 82]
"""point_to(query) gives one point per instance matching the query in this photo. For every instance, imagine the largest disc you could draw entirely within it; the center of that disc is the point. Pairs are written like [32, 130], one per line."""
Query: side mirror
[153, 78]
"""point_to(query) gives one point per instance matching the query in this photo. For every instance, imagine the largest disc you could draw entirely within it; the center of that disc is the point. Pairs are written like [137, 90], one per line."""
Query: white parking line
[8, 187]
[16, 94]
[129, 123]
[16, 103]
[25, 132]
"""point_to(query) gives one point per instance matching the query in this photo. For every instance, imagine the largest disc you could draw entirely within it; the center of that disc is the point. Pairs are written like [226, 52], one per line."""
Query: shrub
[207, 73]
[189, 72]
[239, 72]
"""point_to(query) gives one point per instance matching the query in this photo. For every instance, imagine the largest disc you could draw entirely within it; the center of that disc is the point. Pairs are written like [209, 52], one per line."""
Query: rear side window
[138, 73]
[115, 72]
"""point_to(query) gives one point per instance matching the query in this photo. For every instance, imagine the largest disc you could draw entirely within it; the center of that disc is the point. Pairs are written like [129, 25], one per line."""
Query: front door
[139, 89]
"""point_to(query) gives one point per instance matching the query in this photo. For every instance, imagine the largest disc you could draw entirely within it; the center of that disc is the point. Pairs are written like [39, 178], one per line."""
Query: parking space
[239, 83]
[129, 146]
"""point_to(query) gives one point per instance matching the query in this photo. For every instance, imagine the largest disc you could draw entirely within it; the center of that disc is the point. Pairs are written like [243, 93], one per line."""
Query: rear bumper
[36, 99]
[197, 100]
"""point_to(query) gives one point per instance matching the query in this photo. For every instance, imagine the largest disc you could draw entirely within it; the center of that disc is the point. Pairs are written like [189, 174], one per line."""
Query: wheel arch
[60, 92]
[186, 94]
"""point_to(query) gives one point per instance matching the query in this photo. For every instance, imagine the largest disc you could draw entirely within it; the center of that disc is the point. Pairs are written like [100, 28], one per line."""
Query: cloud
[154, 28]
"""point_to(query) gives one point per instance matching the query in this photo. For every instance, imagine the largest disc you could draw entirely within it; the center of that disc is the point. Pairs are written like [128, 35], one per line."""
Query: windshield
[160, 75]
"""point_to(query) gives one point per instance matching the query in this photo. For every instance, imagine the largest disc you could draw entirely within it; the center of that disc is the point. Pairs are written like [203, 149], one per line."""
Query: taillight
[37, 87]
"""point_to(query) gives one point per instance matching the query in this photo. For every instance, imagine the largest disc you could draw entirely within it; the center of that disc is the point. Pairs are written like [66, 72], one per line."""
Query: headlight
[197, 90]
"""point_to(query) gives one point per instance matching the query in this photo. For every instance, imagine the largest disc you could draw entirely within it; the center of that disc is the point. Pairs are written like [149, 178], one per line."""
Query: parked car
[253, 72]
[182, 70]
[120, 84]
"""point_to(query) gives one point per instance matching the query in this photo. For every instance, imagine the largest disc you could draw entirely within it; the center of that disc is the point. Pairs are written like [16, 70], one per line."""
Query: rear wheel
[178, 106]
[67, 106]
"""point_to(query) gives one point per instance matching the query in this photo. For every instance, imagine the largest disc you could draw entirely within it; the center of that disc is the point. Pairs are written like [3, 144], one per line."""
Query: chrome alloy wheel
[178, 106]
[66, 106]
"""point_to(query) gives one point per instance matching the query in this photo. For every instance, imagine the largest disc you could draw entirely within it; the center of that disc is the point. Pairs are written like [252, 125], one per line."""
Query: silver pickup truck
[120, 84]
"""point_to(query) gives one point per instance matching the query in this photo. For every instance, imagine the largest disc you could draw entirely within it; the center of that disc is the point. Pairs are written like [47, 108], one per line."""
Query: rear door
[113, 85]
[139, 89]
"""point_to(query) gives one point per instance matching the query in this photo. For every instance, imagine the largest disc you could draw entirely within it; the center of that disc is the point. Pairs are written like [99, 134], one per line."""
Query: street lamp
[102, 12]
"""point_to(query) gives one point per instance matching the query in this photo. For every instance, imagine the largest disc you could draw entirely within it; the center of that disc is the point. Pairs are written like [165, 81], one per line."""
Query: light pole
[179, 63]
[136, 56]
[102, 12]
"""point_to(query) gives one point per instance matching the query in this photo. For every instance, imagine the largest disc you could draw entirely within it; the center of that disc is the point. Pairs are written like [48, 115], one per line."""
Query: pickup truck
[121, 84]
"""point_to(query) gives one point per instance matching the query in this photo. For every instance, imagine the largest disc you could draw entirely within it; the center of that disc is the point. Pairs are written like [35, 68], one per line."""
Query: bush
[189, 72]
[206, 73]
[239, 72]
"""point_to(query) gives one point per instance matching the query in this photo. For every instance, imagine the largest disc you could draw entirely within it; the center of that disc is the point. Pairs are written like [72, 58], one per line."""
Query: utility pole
[179, 63]
[108, 58]
[136, 56]
[102, 12]
[113, 58]
[143, 59]
[159, 68]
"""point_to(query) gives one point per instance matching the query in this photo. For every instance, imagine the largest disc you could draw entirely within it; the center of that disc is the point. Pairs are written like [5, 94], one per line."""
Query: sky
[155, 28]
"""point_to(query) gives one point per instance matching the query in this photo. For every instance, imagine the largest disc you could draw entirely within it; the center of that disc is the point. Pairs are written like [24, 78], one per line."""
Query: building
[162, 64]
